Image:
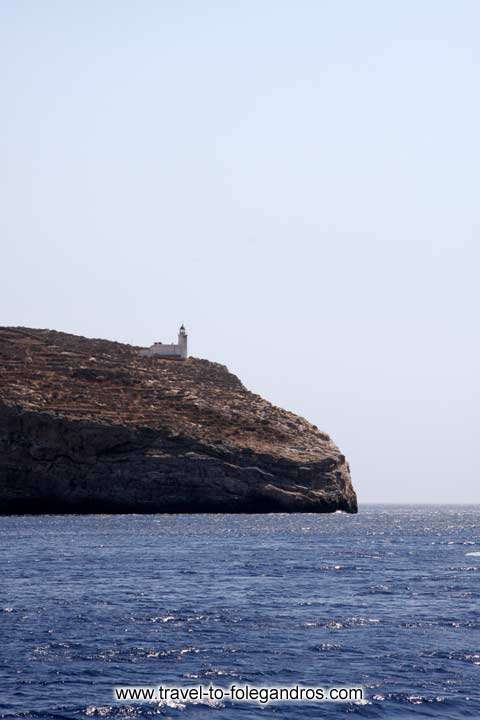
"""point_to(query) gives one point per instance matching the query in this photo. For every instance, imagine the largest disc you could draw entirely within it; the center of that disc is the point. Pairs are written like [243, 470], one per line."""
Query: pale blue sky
[296, 181]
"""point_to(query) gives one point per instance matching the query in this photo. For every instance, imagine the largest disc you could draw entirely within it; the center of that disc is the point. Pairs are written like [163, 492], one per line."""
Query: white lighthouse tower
[182, 341]
[173, 351]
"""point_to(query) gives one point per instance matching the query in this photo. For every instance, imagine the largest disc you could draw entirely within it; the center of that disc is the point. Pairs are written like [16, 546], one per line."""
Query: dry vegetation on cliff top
[107, 382]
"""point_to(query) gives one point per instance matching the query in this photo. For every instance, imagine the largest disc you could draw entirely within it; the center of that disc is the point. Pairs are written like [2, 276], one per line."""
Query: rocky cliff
[89, 426]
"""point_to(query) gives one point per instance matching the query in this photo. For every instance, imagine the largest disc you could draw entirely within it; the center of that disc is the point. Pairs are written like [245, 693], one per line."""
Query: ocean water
[388, 600]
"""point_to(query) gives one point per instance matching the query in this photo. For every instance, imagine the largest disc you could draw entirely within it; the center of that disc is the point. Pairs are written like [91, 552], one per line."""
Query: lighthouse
[182, 341]
[174, 351]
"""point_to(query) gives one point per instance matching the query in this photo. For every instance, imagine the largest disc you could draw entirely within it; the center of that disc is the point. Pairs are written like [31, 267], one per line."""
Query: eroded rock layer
[89, 426]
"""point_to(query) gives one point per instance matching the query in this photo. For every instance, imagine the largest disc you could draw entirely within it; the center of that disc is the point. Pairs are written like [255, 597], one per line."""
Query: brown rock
[89, 426]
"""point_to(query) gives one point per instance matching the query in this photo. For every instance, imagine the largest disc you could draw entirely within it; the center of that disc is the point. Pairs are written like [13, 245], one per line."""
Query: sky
[297, 182]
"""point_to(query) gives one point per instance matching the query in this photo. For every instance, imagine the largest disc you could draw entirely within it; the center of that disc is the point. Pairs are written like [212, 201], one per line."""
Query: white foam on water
[474, 554]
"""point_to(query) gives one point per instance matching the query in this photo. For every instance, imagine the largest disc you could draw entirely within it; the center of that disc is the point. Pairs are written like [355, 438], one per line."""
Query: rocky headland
[90, 426]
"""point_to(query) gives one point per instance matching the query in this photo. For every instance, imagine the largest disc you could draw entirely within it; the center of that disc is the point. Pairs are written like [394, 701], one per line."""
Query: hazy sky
[298, 182]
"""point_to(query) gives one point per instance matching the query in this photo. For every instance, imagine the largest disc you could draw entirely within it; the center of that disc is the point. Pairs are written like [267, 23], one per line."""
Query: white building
[173, 351]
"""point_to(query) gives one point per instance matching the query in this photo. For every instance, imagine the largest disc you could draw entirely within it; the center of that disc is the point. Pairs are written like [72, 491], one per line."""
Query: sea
[387, 601]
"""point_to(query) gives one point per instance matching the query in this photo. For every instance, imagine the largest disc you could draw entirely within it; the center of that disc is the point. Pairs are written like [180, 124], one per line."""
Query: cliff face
[89, 426]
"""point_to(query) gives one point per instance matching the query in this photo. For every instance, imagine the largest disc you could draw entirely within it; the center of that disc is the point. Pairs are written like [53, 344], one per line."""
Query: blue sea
[388, 600]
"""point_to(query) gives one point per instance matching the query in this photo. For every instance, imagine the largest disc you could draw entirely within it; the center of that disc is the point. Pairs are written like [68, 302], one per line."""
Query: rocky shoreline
[87, 426]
